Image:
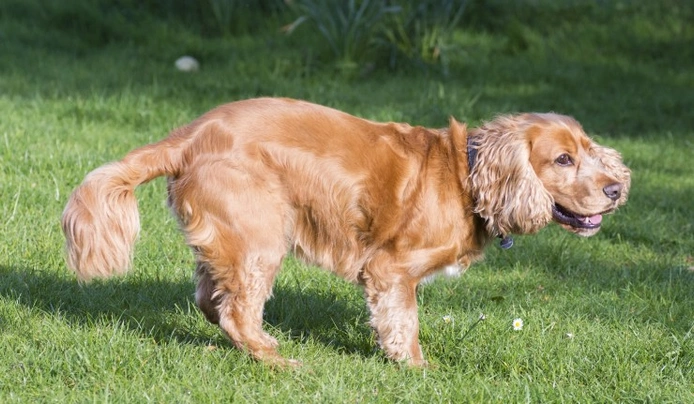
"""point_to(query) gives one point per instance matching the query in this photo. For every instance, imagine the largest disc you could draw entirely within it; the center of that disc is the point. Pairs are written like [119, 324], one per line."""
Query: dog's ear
[508, 193]
[612, 161]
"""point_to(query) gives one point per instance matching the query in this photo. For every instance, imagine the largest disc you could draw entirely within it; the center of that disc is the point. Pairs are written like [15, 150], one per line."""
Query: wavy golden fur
[383, 205]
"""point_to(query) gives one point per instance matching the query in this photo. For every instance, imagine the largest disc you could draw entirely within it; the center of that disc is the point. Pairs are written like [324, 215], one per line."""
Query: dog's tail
[101, 221]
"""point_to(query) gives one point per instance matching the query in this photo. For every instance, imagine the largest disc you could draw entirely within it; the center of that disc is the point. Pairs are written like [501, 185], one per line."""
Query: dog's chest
[454, 269]
[449, 271]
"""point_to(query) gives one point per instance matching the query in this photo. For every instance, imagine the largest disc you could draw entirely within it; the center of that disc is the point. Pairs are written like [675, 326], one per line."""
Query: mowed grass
[607, 319]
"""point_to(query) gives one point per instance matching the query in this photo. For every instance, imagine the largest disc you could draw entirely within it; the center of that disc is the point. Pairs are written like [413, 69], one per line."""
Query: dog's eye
[564, 160]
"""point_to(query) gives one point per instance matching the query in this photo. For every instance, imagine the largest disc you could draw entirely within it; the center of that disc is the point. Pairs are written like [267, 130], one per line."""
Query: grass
[607, 319]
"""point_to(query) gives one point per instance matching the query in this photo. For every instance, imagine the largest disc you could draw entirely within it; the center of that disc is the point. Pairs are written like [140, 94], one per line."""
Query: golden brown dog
[383, 205]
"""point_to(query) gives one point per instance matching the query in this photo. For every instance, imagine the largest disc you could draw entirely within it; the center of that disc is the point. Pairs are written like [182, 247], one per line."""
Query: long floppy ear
[612, 161]
[508, 193]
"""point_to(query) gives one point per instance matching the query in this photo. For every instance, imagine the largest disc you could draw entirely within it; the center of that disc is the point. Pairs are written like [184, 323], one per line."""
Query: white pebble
[187, 64]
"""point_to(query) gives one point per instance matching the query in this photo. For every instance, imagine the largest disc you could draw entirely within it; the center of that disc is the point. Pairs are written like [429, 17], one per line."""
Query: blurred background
[622, 66]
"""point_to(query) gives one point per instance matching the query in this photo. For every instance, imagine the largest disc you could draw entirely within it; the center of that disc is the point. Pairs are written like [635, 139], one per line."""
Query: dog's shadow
[336, 319]
[164, 310]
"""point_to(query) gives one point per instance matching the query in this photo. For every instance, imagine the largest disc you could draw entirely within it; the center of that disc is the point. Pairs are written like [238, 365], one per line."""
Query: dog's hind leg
[237, 277]
[243, 269]
[235, 224]
[242, 292]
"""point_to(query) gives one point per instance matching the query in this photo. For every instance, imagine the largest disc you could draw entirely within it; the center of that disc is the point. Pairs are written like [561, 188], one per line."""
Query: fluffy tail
[101, 221]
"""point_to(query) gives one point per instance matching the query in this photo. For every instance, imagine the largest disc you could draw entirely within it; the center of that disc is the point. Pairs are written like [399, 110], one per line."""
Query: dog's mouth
[574, 220]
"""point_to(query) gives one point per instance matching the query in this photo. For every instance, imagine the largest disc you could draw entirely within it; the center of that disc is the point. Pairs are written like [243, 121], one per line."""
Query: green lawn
[607, 319]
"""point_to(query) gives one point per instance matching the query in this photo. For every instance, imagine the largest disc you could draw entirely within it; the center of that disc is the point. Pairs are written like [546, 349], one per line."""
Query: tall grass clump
[226, 17]
[222, 12]
[348, 28]
[393, 33]
[422, 32]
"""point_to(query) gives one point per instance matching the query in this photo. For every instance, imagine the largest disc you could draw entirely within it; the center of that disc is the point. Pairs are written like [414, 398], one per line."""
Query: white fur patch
[449, 271]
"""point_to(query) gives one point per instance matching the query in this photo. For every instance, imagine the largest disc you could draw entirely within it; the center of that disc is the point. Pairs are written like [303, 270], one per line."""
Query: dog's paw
[270, 341]
[280, 363]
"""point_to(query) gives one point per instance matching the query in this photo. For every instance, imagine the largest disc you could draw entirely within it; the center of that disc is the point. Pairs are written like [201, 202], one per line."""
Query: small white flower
[517, 324]
[482, 317]
[569, 335]
[447, 319]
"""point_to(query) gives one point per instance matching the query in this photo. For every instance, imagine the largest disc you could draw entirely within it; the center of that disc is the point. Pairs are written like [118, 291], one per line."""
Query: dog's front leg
[393, 307]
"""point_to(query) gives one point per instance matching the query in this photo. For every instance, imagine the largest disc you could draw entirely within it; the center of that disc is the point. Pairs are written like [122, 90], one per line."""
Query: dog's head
[534, 168]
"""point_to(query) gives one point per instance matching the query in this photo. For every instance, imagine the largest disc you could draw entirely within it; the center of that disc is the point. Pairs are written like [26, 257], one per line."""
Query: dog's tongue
[597, 219]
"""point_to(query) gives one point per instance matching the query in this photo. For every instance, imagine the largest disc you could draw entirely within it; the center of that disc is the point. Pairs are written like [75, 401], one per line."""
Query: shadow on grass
[141, 305]
[158, 308]
[338, 322]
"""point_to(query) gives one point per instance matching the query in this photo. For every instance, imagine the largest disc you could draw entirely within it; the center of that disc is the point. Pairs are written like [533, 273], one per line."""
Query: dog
[383, 205]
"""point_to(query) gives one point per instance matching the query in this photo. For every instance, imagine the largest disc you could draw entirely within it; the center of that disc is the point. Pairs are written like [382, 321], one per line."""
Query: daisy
[447, 319]
[517, 324]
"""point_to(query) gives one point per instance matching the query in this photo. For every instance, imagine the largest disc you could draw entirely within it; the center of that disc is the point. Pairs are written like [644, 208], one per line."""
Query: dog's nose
[613, 191]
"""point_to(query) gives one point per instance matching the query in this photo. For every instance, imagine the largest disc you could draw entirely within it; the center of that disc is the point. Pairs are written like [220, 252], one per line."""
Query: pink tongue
[595, 219]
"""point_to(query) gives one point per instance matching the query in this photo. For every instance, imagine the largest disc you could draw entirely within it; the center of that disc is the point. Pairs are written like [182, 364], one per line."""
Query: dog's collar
[472, 145]
[471, 152]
